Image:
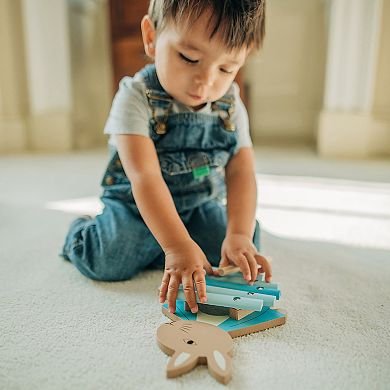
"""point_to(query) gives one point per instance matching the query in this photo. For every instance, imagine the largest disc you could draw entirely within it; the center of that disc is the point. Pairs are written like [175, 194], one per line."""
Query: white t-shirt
[130, 112]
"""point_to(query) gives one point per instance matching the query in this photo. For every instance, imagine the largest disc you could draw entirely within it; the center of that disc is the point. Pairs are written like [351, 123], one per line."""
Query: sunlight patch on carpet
[348, 212]
[81, 206]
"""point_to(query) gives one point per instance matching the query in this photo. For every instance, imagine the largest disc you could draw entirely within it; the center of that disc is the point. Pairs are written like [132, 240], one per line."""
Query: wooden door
[128, 53]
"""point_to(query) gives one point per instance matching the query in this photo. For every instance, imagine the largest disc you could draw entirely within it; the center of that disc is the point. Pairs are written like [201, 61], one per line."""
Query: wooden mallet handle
[231, 269]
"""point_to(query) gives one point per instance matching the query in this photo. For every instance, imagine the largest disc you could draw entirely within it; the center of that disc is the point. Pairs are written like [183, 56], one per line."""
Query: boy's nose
[205, 77]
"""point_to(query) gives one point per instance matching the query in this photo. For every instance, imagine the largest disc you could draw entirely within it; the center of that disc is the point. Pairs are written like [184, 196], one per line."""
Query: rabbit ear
[180, 363]
[220, 366]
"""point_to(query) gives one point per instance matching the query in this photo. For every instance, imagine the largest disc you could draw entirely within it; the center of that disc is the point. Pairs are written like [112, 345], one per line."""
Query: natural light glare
[333, 210]
[81, 206]
[305, 208]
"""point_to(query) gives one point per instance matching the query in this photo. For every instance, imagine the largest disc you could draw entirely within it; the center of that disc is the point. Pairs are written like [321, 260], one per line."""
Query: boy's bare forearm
[241, 202]
[154, 201]
[158, 210]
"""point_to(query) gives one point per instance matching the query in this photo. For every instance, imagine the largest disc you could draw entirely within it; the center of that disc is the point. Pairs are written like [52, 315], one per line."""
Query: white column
[13, 99]
[91, 70]
[346, 127]
[48, 73]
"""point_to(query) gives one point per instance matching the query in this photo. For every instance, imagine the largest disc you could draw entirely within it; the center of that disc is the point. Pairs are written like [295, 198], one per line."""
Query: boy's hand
[239, 250]
[184, 263]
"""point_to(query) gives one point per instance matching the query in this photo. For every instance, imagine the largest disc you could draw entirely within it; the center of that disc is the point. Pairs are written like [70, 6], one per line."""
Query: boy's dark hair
[240, 22]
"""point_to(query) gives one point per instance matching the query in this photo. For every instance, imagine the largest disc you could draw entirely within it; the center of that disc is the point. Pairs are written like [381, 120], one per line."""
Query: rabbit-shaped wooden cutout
[191, 342]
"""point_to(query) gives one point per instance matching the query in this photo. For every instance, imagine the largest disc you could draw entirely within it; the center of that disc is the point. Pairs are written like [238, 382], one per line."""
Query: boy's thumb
[224, 262]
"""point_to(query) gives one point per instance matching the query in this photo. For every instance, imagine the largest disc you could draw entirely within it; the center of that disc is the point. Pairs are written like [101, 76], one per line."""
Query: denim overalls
[193, 150]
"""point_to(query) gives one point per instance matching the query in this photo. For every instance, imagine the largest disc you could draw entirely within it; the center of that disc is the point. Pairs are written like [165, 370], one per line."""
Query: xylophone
[233, 305]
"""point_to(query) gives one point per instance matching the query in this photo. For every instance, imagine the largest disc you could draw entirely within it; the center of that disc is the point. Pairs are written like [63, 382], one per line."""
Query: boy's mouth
[195, 97]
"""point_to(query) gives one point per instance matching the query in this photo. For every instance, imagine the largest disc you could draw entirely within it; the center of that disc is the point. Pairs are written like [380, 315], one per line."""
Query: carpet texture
[59, 330]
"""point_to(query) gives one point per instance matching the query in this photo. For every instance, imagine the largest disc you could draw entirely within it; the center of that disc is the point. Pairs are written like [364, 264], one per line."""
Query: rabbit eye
[189, 341]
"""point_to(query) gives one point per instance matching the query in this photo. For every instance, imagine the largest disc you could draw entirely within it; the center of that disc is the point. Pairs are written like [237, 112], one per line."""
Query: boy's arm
[184, 260]
[241, 193]
[238, 247]
[154, 201]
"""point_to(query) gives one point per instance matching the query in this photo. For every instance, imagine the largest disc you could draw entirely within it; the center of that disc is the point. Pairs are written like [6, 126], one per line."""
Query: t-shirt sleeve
[130, 111]
[241, 120]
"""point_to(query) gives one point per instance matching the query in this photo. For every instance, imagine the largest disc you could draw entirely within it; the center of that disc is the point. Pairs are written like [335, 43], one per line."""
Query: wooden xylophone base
[254, 322]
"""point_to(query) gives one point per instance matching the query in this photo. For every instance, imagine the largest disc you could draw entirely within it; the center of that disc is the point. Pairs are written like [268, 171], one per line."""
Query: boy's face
[192, 68]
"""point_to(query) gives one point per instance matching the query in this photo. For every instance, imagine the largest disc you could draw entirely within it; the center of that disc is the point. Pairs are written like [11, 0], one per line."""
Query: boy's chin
[190, 102]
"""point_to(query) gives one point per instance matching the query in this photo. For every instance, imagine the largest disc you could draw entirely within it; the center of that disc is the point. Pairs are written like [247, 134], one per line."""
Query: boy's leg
[113, 246]
[207, 226]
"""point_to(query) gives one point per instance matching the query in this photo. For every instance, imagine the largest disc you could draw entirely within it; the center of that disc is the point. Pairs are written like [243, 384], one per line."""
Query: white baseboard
[352, 135]
[51, 131]
[13, 135]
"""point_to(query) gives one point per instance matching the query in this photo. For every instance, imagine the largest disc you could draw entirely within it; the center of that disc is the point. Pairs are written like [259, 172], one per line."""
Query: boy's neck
[197, 108]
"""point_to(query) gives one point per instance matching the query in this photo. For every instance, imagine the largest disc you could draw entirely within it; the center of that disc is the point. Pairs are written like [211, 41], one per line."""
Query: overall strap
[149, 75]
[159, 101]
[225, 107]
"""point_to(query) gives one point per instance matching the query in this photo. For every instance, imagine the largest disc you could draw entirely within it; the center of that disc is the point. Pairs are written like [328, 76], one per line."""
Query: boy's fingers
[164, 287]
[224, 261]
[173, 288]
[265, 267]
[242, 262]
[207, 266]
[189, 293]
[200, 283]
[252, 265]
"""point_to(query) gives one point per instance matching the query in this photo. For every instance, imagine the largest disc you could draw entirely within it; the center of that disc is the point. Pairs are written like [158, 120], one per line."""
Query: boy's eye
[226, 71]
[186, 59]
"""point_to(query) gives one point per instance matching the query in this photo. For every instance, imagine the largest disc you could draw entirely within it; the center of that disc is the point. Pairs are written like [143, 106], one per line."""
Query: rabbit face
[194, 337]
[191, 343]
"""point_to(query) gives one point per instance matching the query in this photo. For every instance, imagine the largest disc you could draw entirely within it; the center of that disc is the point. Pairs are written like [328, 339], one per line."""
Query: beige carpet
[327, 226]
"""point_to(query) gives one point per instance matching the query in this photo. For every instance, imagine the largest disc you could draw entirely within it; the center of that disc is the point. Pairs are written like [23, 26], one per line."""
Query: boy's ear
[148, 36]
[250, 49]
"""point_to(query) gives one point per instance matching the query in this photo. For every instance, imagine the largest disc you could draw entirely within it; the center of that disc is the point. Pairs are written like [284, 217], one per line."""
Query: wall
[381, 105]
[56, 86]
[354, 121]
[286, 78]
[13, 82]
[91, 70]
[55, 74]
